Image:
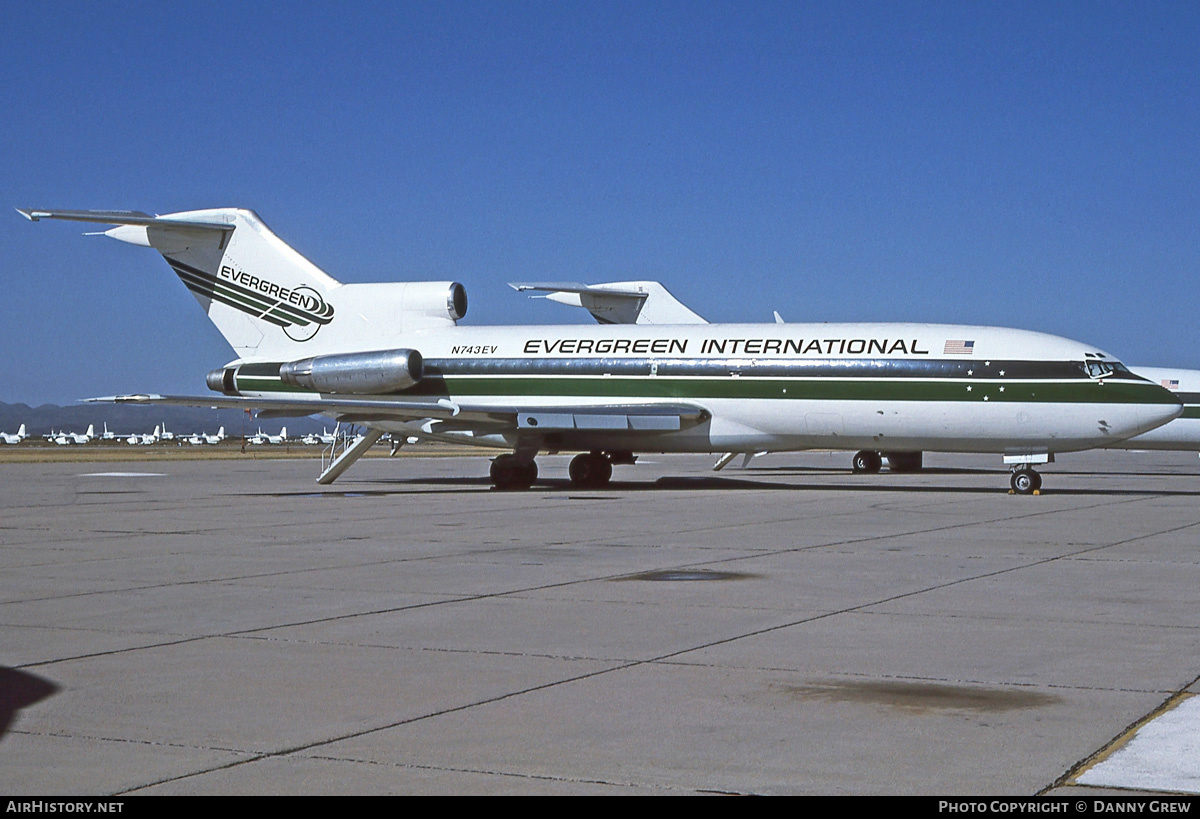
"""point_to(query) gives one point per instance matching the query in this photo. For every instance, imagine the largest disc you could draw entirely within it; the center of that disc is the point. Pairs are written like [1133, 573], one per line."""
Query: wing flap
[663, 418]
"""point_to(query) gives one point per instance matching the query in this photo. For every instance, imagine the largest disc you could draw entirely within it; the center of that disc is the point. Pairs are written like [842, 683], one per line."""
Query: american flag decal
[956, 346]
[1171, 383]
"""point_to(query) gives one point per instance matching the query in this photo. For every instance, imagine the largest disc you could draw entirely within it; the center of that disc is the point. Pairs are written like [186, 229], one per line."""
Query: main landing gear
[869, 462]
[588, 470]
[511, 472]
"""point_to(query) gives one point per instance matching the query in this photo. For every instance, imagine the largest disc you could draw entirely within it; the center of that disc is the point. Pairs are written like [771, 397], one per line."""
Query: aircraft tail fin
[268, 300]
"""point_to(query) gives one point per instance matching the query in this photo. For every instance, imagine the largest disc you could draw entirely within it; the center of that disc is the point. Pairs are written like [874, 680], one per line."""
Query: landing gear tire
[866, 461]
[1026, 482]
[590, 470]
[904, 461]
[508, 473]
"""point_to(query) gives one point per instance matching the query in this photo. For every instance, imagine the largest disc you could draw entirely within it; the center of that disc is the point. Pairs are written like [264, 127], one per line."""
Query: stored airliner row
[391, 356]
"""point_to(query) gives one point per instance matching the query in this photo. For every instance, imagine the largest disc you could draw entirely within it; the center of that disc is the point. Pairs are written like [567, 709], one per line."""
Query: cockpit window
[1098, 369]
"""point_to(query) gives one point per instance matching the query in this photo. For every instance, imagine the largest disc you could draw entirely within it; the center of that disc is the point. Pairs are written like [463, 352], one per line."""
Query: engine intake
[356, 373]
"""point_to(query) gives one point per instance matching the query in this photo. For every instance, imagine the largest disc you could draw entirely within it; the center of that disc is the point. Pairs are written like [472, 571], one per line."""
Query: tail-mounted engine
[374, 373]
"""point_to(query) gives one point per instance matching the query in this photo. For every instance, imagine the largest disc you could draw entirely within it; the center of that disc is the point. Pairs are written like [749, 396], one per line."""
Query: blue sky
[1032, 165]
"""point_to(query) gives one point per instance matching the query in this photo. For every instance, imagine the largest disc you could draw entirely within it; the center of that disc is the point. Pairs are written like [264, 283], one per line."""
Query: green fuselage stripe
[746, 387]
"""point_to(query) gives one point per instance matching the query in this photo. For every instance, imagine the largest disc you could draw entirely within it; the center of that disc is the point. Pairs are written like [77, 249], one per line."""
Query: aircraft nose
[1153, 415]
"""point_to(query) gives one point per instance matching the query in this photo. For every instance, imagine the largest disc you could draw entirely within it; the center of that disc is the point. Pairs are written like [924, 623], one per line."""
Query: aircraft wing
[647, 419]
[640, 302]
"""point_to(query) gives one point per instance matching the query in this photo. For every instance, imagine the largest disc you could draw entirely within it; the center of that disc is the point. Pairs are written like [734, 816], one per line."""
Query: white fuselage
[789, 387]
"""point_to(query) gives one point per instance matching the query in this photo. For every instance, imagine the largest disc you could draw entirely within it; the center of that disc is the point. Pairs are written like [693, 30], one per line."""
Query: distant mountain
[124, 419]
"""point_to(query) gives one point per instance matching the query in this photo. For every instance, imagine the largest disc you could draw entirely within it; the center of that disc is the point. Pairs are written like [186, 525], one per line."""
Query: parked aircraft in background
[202, 438]
[261, 437]
[70, 438]
[391, 357]
[1184, 432]
[1181, 434]
[145, 439]
[637, 302]
[326, 437]
[14, 438]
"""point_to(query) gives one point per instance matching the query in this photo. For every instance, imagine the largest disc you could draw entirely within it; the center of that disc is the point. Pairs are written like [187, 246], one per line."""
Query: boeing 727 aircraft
[391, 356]
[645, 302]
[1182, 434]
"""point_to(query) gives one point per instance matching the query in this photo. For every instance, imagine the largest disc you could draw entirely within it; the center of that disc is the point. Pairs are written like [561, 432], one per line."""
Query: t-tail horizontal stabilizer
[641, 302]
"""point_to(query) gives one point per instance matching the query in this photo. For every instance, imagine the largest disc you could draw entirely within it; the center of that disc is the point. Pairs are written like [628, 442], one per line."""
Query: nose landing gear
[1026, 481]
[867, 461]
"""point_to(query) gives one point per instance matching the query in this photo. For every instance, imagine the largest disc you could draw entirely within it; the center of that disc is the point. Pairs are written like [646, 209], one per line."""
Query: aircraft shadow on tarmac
[838, 481]
[20, 689]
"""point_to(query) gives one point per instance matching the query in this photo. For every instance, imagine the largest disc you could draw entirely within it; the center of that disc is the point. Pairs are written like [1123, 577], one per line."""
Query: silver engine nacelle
[356, 373]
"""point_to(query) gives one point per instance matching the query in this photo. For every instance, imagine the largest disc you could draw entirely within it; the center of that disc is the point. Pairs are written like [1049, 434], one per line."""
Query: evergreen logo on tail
[299, 311]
